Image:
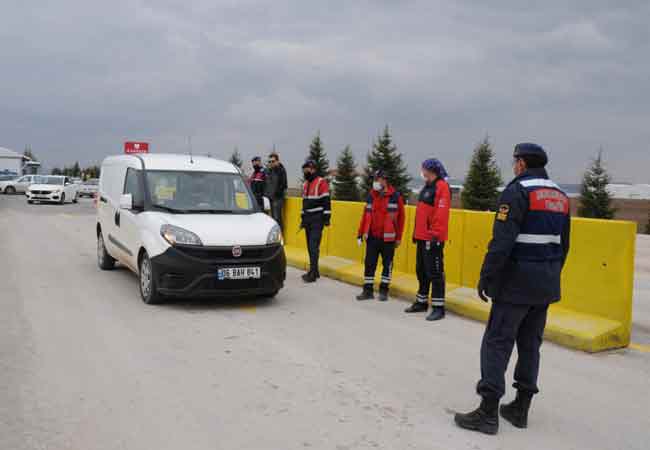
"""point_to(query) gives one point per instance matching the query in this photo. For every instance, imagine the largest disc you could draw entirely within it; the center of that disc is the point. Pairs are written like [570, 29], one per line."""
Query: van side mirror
[126, 201]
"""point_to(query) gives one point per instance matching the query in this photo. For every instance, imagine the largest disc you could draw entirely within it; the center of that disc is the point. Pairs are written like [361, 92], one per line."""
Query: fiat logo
[236, 251]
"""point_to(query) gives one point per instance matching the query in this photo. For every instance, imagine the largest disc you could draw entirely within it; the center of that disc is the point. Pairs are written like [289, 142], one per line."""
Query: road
[84, 364]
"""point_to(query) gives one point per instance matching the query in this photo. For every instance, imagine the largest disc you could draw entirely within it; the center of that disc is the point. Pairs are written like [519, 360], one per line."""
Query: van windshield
[199, 192]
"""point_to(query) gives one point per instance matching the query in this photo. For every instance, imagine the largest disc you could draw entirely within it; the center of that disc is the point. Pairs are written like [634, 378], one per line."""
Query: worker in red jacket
[382, 225]
[430, 235]
[316, 214]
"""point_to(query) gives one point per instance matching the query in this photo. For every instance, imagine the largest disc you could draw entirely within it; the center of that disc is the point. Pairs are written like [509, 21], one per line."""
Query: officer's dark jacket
[316, 202]
[530, 242]
[276, 182]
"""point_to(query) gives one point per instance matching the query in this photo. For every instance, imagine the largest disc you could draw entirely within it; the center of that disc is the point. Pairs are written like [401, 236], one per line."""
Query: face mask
[377, 186]
[308, 176]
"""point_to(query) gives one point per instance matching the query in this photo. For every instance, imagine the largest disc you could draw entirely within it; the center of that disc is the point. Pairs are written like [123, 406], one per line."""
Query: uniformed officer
[521, 274]
[430, 234]
[382, 225]
[258, 181]
[316, 214]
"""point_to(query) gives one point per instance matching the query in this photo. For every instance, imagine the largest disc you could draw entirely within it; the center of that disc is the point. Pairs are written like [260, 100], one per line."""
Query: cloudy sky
[78, 77]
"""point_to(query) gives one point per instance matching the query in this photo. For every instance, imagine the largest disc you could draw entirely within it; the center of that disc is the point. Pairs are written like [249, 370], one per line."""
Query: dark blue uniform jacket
[530, 242]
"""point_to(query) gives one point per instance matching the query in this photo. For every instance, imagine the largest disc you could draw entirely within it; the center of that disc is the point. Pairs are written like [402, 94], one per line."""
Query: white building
[13, 163]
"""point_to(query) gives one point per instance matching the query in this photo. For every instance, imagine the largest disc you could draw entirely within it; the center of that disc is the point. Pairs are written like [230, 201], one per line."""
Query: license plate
[239, 273]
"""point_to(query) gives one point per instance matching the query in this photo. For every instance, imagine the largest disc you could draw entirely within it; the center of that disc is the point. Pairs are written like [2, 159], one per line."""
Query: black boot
[417, 307]
[517, 412]
[309, 277]
[383, 293]
[485, 419]
[437, 313]
[367, 294]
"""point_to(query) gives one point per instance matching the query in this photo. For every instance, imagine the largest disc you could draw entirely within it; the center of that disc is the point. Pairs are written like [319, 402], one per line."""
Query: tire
[31, 202]
[10, 190]
[270, 295]
[104, 260]
[62, 201]
[148, 285]
[75, 199]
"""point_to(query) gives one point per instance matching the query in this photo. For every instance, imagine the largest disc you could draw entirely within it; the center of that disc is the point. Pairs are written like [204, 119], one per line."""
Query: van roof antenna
[189, 145]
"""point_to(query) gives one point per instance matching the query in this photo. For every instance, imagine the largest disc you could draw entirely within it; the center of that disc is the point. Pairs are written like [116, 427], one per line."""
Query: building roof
[6, 153]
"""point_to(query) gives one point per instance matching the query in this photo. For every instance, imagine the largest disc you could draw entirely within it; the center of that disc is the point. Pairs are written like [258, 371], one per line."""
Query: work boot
[309, 277]
[367, 294]
[437, 313]
[417, 307]
[485, 419]
[383, 295]
[517, 412]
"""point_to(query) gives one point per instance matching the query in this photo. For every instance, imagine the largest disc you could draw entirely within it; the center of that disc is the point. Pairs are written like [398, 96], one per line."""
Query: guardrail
[595, 313]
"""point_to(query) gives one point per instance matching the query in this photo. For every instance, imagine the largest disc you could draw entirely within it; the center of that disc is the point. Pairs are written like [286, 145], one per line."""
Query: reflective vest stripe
[539, 182]
[540, 239]
[320, 208]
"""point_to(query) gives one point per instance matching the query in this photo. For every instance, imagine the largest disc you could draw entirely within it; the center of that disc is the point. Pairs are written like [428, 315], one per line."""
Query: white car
[18, 185]
[89, 188]
[52, 189]
[188, 226]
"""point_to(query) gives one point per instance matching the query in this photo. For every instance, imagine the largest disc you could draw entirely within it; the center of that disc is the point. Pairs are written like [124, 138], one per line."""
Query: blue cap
[435, 166]
[309, 163]
[530, 149]
[379, 174]
[257, 158]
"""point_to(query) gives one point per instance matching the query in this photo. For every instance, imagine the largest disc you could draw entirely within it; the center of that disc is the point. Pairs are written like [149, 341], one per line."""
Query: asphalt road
[84, 364]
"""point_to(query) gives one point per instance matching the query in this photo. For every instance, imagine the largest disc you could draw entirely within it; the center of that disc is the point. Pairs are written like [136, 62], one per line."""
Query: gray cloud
[78, 78]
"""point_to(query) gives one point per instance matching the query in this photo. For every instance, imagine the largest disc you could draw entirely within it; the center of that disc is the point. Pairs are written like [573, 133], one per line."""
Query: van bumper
[181, 274]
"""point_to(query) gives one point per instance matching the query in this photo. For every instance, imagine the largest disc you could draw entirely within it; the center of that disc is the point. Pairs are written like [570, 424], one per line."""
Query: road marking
[640, 347]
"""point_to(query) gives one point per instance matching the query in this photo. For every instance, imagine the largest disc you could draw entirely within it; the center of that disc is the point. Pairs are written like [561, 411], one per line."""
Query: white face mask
[423, 176]
[377, 186]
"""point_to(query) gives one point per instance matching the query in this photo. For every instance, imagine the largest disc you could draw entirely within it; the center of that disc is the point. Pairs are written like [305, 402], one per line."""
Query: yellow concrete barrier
[595, 313]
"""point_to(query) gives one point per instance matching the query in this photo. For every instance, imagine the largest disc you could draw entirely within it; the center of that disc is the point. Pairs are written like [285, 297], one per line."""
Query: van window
[204, 192]
[133, 186]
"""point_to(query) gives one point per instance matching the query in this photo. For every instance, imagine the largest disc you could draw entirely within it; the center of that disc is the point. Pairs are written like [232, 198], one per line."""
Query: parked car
[89, 188]
[8, 177]
[53, 188]
[187, 227]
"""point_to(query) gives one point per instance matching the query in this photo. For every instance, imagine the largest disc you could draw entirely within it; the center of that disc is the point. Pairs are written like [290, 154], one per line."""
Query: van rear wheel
[104, 260]
[148, 285]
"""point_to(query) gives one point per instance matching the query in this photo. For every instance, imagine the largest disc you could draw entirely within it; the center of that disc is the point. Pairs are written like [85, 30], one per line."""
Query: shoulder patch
[504, 211]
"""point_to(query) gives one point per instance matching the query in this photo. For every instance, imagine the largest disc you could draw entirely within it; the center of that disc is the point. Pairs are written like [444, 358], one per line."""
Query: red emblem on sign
[136, 147]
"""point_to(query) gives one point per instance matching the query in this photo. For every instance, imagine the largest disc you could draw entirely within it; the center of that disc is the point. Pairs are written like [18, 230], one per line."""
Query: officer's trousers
[314, 234]
[430, 268]
[277, 205]
[509, 324]
[375, 248]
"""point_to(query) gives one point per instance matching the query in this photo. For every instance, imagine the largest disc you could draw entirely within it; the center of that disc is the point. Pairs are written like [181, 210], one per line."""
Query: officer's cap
[256, 159]
[530, 149]
[379, 174]
[309, 163]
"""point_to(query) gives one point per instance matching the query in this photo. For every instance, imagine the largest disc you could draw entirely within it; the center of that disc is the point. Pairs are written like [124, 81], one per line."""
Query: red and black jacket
[316, 202]
[432, 212]
[383, 217]
[258, 183]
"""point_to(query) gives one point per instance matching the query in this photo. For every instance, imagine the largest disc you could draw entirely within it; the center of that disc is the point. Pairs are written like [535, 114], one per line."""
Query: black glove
[482, 290]
[327, 223]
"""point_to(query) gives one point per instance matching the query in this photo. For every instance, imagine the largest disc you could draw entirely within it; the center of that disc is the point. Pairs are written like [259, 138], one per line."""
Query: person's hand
[365, 237]
[482, 290]
[359, 241]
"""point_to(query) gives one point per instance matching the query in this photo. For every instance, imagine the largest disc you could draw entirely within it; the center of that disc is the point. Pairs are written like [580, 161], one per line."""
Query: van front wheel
[104, 260]
[148, 287]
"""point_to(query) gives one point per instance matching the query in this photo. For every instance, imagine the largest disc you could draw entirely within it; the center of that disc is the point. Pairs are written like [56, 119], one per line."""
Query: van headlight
[177, 235]
[275, 236]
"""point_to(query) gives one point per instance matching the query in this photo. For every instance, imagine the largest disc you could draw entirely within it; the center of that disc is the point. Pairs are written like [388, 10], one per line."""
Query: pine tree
[481, 187]
[317, 154]
[595, 200]
[385, 156]
[76, 169]
[235, 158]
[346, 186]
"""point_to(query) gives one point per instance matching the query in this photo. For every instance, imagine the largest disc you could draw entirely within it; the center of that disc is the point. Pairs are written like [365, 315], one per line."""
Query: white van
[188, 226]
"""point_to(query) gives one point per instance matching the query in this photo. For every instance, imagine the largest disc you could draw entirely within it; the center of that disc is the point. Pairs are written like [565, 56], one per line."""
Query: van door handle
[117, 218]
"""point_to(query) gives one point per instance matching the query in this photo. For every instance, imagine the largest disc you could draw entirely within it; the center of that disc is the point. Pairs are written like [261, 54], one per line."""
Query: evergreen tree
[595, 201]
[385, 156]
[346, 186]
[481, 187]
[76, 169]
[317, 154]
[235, 158]
[56, 171]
